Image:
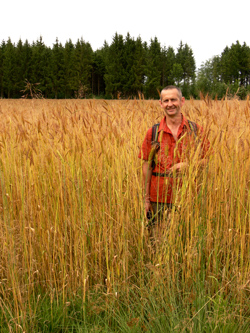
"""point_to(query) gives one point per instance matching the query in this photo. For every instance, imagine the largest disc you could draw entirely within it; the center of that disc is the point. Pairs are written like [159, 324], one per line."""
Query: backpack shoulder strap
[155, 129]
[193, 127]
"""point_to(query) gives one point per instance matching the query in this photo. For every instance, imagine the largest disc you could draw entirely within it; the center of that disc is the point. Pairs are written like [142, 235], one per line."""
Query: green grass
[161, 305]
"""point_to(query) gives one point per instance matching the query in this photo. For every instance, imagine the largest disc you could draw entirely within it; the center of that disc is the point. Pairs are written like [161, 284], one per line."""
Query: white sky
[206, 26]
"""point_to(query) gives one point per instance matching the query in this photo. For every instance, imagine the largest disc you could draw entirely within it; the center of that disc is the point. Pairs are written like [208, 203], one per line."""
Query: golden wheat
[71, 208]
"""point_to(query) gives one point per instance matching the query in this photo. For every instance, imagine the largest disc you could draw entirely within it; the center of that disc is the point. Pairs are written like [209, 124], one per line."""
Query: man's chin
[171, 112]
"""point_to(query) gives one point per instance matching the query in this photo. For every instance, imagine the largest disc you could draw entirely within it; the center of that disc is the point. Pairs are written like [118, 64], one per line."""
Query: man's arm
[205, 145]
[147, 174]
[183, 166]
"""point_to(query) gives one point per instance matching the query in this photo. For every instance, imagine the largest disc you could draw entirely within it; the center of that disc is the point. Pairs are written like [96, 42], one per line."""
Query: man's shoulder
[192, 125]
[155, 126]
[154, 134]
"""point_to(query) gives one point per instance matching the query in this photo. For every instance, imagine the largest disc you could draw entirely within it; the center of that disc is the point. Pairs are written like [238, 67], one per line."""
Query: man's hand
[179, 167]
[147, 206]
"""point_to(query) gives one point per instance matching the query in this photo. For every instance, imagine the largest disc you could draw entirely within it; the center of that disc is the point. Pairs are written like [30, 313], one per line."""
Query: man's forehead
[170, 93]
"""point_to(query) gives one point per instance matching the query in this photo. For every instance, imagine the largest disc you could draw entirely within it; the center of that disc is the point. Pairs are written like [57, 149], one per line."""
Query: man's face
[171, 102]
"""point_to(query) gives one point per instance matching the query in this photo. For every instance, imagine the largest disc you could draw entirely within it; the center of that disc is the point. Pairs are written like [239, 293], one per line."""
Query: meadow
[75, 254]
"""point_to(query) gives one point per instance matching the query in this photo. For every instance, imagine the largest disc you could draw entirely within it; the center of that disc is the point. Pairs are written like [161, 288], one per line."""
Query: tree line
[226, 73]
[127, 68]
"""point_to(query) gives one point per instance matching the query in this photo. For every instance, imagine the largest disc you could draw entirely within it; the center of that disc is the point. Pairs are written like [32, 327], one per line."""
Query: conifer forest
[127, 68]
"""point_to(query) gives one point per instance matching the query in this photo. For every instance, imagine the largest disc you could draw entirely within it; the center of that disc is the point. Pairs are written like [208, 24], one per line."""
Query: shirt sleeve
[146, 146]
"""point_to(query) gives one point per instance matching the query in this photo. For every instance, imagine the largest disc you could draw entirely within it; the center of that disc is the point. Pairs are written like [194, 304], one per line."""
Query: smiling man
[167, 145]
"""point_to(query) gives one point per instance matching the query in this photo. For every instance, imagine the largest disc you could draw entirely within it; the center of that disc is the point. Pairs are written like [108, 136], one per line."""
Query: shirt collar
[164, 127]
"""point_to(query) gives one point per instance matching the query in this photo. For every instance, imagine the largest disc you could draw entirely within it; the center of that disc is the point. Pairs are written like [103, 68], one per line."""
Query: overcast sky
[206, 26]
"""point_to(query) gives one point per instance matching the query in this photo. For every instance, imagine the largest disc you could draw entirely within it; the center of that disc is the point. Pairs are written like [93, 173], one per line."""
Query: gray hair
[173, 87]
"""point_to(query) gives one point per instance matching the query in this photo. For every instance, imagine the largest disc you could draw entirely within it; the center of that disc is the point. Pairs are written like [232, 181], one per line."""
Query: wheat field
[72, 224]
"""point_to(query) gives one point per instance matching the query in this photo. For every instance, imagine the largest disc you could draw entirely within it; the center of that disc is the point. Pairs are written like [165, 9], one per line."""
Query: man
[175, 135]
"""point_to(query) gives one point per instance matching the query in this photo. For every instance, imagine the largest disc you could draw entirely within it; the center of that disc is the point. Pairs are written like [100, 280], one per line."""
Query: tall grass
[75, 253]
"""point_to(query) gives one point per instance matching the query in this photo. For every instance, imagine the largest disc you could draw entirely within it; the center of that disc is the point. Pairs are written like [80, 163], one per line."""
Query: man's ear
[182, 101]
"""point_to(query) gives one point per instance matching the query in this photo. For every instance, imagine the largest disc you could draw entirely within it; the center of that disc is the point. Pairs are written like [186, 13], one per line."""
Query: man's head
[171, 88]
[171, 101]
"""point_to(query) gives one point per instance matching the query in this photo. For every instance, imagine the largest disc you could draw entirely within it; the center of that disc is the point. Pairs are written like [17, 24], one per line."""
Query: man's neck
[175, 121]
[174, 124]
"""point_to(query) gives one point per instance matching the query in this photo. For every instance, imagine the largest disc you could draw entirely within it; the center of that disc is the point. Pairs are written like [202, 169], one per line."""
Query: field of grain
[75, 254]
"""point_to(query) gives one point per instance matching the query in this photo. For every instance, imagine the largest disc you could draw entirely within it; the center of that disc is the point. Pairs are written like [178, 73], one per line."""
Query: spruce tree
[168, 56]
[115, 77]
[57, 70]
[8, 69]
[185, 58]
[154, 67]
[2, 47]
[82, 63]
[139, 67]
[68, 77]
[98, 72]
[129, 60]
[41, 57]
[23, 66]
